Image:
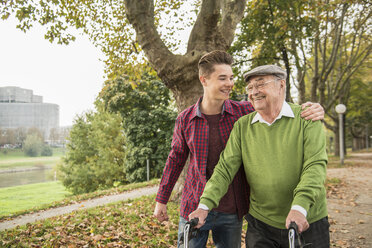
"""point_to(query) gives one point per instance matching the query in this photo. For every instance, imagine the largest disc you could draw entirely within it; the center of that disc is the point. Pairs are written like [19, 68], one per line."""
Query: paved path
[350, 205]
[29, 218]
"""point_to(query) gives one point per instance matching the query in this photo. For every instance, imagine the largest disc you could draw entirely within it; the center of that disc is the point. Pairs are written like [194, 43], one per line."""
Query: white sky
[70, 76]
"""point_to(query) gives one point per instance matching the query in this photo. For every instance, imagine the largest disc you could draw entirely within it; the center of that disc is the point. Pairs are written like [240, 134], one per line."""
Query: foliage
[148, 120]
[104, 22]
[322, 45]
[33, 145]
[12, 136]
[46, 151]
[95, 154]
[270, 34]
[359, 108]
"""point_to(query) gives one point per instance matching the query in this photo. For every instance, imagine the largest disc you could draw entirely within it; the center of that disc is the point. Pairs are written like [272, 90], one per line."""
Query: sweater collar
[285, 111]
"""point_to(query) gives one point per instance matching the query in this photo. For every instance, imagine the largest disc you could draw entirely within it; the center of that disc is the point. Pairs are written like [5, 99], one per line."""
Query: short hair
[208, 60]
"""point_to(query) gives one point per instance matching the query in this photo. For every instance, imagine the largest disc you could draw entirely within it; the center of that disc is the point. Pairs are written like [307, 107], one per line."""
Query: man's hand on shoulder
[201, 214]
[160, 212]
[313, 111]
[299, 218]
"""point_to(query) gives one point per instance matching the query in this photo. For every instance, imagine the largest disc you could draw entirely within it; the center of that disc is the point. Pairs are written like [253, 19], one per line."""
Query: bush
[46, 151]
[148, 120]
[33, 145]
[95, 154]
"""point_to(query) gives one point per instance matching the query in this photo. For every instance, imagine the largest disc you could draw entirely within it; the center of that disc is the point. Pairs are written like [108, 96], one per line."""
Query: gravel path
[29, 218]
[350, 206]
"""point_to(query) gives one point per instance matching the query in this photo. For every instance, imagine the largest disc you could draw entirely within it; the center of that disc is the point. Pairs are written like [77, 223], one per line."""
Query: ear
[283, 83]
[202, 80]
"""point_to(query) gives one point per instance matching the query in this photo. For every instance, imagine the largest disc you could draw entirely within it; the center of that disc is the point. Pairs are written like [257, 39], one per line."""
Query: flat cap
[265, 70]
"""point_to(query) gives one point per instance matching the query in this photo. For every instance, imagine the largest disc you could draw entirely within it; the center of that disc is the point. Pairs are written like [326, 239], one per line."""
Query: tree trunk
[288, 97]
[185, 99]
[337, 140]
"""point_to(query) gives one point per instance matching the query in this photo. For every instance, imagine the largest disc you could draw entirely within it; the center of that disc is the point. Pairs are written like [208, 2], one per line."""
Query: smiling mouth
[225, 91]
[259, 98]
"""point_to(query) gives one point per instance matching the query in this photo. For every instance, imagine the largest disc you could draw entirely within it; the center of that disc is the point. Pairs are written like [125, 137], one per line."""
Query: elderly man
[284, 159]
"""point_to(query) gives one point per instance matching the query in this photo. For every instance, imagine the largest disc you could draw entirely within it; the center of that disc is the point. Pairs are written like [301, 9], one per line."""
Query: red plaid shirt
[190, 137]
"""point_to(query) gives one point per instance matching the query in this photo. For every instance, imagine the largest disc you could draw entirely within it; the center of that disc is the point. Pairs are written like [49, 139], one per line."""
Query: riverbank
[17, 169]
[23, 169]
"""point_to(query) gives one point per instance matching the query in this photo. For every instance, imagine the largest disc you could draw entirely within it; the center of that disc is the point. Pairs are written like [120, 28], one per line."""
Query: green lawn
[16, 158]
[19, 198]
[65, 198]
[6, 154]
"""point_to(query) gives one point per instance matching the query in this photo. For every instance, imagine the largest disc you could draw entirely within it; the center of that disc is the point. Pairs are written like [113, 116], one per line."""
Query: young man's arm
[172, 170]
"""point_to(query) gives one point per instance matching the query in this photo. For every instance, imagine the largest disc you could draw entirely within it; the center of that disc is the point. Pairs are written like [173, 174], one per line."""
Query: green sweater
[285, 165]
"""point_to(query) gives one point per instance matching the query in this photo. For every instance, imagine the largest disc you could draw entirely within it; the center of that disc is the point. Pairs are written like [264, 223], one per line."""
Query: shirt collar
[225, 108]
[285, 111]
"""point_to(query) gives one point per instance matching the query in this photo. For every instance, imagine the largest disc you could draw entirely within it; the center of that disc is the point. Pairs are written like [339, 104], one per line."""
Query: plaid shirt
[190, 137]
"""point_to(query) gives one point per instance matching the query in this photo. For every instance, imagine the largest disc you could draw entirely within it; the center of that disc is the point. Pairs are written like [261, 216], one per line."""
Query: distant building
[21, 108]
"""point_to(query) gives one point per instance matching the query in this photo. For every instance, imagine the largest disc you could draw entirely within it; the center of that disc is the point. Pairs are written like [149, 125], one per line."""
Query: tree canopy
[136, 32]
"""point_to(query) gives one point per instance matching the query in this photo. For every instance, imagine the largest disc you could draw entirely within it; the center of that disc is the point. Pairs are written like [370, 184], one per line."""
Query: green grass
[29, 162]
[68, 199]
[20, 198]
[16, 158]
[6, 154]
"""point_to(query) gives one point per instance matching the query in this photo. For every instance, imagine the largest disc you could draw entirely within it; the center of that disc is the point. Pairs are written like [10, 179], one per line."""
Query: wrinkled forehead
[260, 78]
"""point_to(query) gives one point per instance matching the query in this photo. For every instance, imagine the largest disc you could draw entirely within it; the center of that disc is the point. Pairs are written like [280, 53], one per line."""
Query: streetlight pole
[341, 109]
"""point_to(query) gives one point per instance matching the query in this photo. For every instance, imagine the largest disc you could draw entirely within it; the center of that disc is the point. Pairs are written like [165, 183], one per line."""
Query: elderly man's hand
[299, 218]
[160, 212]
[314, 111]
[201, 214]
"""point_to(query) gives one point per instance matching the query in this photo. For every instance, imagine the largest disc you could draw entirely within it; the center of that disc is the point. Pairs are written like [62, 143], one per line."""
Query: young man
[201, 132]
[284, 157]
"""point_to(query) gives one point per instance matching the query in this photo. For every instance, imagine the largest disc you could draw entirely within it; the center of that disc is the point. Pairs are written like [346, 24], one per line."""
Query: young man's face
[219, 83]
[265, 92]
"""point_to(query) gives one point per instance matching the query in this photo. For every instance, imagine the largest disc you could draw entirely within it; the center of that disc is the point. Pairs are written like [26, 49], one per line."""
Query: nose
[254, 90]
[230, 82]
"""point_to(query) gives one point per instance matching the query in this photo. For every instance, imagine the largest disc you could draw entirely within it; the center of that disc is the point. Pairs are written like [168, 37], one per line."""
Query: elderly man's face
[265, 92]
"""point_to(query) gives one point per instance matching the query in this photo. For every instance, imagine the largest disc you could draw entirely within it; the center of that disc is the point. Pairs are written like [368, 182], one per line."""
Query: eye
[260, 85]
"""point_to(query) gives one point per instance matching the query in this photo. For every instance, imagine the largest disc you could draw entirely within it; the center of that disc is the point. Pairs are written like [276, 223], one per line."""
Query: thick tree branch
[141, 15]
[232, 13]
[205, 26]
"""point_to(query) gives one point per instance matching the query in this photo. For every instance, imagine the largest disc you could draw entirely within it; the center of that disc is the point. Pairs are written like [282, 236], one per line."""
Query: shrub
[33, 145]
[46, 151]
[95, 154]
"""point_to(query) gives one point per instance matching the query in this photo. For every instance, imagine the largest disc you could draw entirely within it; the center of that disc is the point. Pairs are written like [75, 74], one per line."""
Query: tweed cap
[265, 70]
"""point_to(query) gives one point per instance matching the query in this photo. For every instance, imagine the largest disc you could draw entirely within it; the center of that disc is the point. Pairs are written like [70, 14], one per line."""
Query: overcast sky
[70, 76]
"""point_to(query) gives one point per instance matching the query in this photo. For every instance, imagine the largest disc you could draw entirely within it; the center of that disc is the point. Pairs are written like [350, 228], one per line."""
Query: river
[10, 179]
